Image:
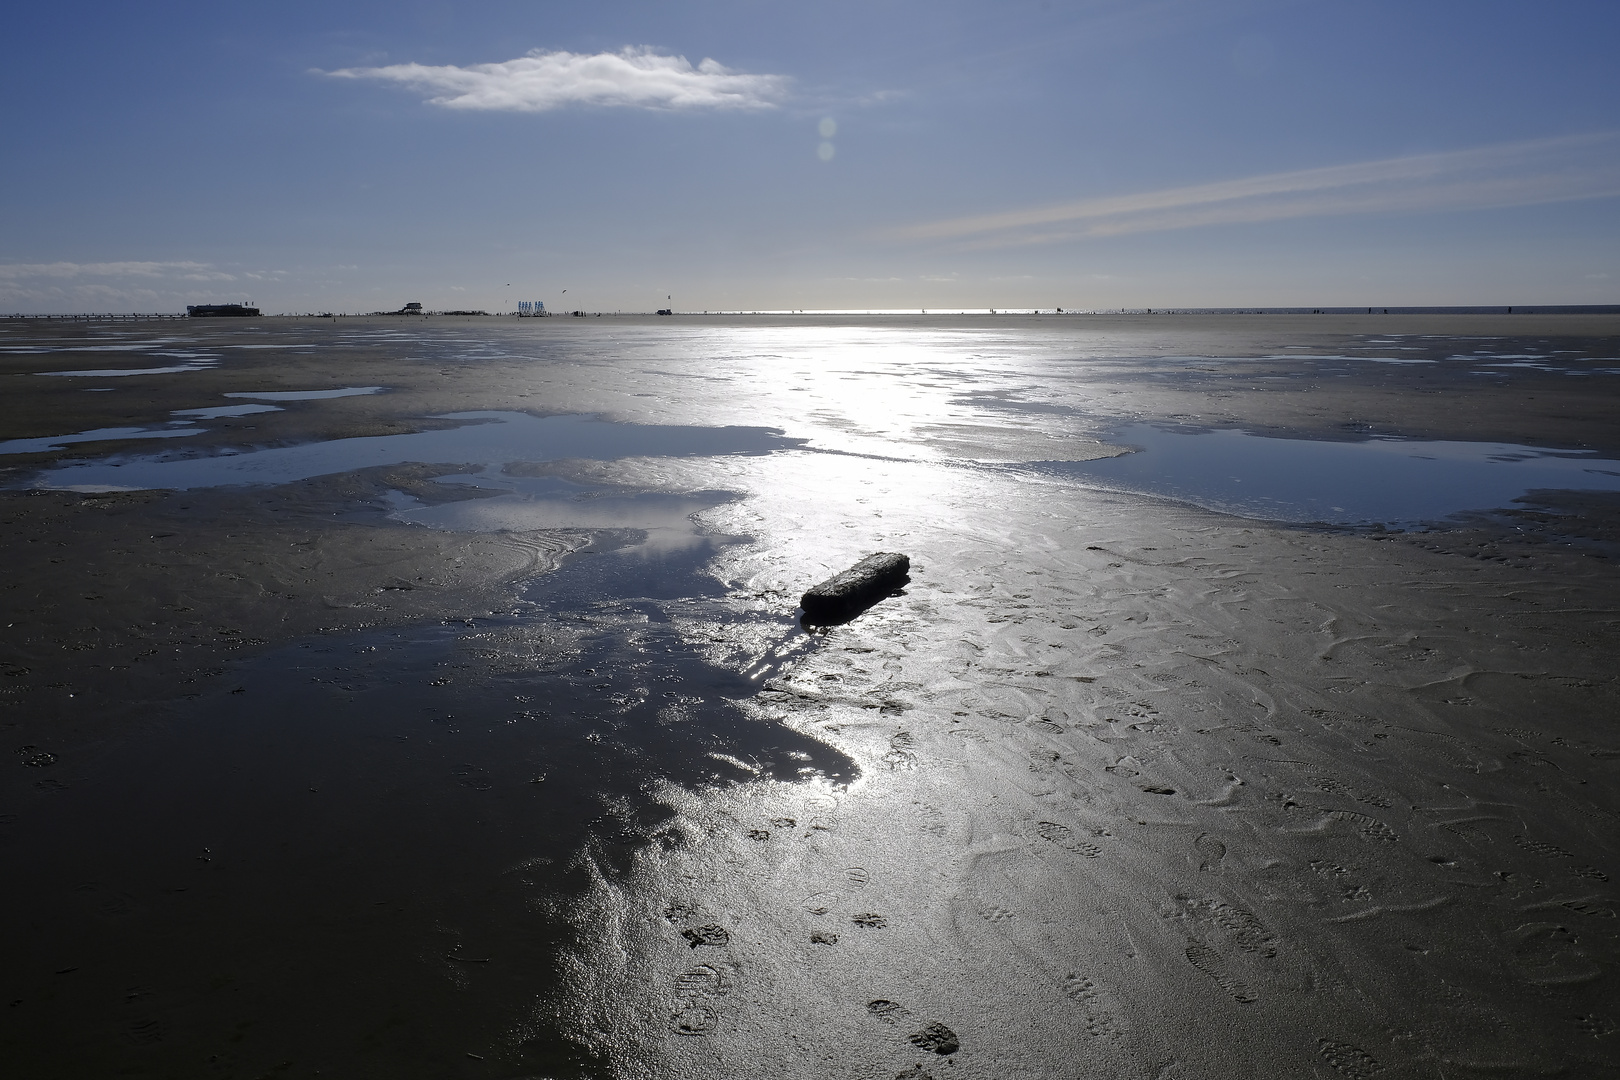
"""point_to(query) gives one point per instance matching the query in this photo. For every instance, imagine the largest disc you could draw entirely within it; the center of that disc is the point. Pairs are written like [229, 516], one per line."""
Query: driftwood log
[847, 594]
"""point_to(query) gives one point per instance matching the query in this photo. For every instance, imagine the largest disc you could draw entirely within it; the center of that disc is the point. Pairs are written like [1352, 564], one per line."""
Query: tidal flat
[408, 697]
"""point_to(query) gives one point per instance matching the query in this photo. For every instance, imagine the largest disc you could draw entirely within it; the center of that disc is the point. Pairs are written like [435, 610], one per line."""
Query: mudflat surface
[501, 753]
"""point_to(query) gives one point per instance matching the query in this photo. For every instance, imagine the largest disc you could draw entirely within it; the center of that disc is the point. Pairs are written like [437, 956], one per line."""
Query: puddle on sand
[56, 442]
[548, 502]
[113, 373]
[226, 410]
[481, 438]
[383, 829]
[307, 395]
[1374, 480]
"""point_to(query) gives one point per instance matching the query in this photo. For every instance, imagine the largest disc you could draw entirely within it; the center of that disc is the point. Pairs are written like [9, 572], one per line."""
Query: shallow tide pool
[481, 438]
[1304, 480]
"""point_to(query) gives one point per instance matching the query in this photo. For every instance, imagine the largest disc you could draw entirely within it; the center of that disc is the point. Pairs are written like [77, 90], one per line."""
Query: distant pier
[84, 317]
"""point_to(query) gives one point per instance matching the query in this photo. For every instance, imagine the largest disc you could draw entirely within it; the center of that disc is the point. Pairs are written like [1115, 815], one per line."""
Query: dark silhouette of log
[845, 595]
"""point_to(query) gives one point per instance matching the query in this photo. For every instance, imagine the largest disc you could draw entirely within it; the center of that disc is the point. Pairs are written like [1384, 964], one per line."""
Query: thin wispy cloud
[185, 271]
[128, 285]
[1506, 174]
[636, 77]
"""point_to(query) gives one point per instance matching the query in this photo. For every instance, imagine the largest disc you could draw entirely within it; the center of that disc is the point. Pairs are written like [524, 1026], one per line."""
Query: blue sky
[353, 156]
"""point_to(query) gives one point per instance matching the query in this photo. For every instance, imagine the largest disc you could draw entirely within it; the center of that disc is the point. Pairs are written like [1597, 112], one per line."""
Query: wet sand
[1118, 787]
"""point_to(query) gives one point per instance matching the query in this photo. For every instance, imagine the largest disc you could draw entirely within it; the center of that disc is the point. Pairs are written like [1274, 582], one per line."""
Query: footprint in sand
[692, 1014]
[711, 935]
[936, 1037]
[1582, 907]
[1100, 1016]
[900, 755]
[1472, 831]
[890, 1012]
[1537, 847]
[1343, 877]
[1352, 1061]
[1367, 828]
[1243, 930]
[1552, 850]
[871, 920]
[819, 903]
[703, 979]
[1065, 838]
[857, 877]
[1212, 850]
[1522, 734]
[933, 823]
[1337, 787]
[1213, 964]
[1218, 930]
[679, 911]
[694, 1019]
[35, 758]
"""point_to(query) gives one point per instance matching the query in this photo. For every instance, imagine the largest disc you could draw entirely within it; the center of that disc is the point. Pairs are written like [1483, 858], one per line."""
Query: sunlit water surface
[1370, 480]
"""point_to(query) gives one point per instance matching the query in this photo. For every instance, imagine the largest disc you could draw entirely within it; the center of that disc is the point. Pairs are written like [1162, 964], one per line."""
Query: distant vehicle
[665, 311]
[200, 311]
[580, 314]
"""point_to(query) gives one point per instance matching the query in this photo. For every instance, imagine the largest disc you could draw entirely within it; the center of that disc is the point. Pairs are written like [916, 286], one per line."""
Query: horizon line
[1170, 309]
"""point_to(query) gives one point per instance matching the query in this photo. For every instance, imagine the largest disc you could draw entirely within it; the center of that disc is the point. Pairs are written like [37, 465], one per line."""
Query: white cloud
[1506, 174]
[541, 81]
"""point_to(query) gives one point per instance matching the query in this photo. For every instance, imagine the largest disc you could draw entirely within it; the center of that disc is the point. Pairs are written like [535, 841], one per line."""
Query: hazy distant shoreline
[904, 313]
[1250, 325]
